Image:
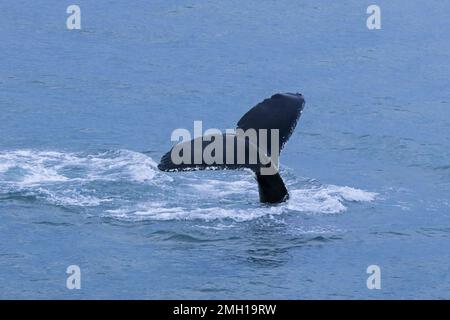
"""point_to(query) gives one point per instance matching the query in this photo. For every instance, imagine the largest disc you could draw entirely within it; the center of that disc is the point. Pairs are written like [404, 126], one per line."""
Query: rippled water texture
[86, 115]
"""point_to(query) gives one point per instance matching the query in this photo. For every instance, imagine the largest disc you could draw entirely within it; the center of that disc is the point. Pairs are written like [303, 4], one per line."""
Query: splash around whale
[256, 144]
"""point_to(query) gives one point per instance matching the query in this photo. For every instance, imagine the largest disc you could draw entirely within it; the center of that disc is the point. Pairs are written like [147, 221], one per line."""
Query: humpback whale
[276, 117]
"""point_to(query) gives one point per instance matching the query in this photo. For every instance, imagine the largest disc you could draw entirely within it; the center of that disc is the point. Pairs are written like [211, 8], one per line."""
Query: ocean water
[85, 116]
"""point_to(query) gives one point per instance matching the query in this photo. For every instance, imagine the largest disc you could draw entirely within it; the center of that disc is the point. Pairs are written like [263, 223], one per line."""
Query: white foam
[40, 167]
[61, 178]
[31, 166]
[159, 211]
[326, 199]
[329, 199]
[4, 166]
[70, 198]
[223, 188]
[351, 194]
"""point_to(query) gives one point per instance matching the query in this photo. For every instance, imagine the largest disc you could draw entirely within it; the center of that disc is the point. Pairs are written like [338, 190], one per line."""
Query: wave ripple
[127, 185]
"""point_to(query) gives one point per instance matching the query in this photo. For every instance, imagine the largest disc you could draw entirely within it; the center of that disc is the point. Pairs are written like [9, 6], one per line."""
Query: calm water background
[85, 116]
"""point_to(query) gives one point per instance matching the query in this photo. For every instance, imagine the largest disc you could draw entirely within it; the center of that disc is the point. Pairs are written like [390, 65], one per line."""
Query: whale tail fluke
[279, 112]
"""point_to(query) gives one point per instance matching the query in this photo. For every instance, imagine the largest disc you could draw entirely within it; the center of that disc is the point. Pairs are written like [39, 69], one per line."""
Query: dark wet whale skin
[281, 111]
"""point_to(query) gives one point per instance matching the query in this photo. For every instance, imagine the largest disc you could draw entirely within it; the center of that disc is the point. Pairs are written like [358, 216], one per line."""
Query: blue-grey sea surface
[85, 116]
